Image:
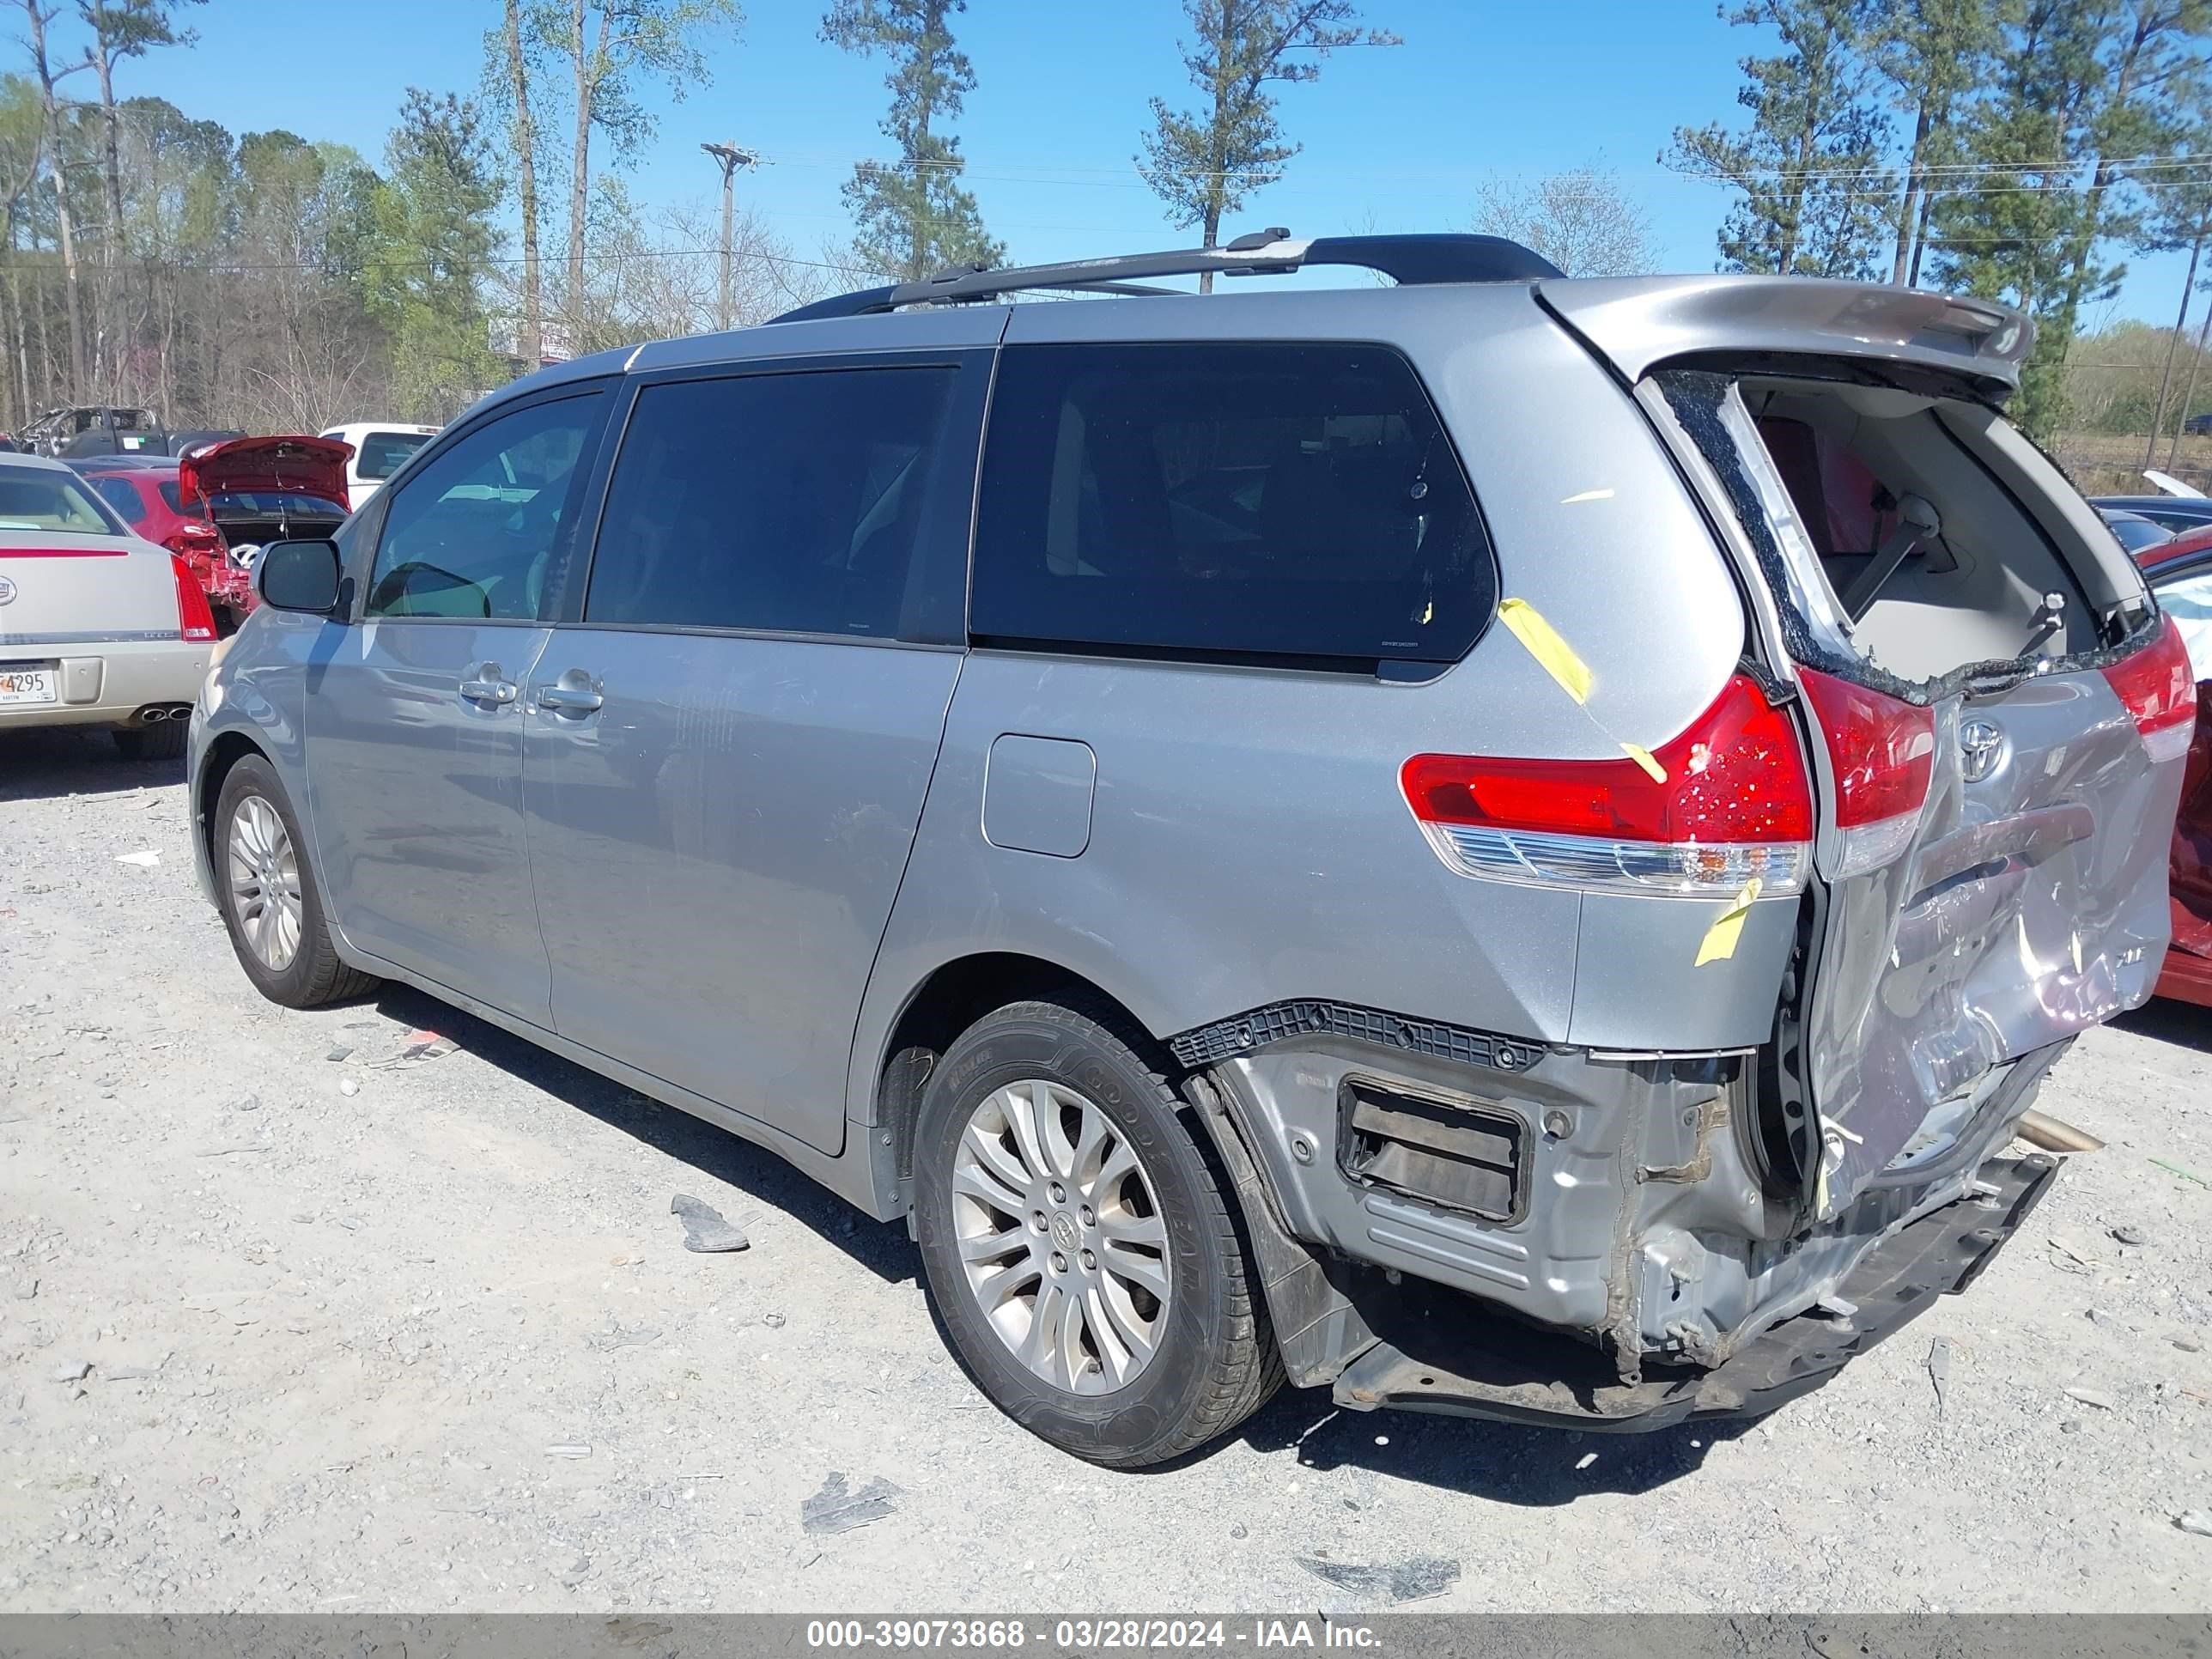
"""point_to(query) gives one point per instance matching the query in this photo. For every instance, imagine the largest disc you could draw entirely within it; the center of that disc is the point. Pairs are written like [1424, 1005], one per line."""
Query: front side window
[474, 533]
[39, 500]
[789, 503]
[1274, 500]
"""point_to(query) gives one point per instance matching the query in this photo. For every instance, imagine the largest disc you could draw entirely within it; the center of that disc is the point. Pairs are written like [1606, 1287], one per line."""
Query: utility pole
[729, 158]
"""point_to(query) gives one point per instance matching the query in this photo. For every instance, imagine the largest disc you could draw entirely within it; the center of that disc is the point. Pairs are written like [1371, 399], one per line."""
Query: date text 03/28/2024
[1089, 1635]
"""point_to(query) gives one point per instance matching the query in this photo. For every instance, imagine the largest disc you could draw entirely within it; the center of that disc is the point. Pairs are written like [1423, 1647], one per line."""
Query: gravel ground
[421, 1335]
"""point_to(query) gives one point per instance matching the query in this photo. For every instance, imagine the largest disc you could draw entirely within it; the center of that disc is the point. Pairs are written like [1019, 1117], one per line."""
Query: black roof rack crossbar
[1410, 260]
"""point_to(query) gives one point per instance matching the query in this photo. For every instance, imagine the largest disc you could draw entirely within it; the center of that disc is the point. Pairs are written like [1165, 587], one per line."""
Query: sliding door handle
[575, 693]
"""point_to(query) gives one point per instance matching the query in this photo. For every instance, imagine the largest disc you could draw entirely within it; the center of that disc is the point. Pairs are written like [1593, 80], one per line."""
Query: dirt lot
[421, 1336]
[2102, 464]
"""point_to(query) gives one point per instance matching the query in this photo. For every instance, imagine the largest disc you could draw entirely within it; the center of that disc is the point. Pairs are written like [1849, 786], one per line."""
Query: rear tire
[270, 901]
[163, 740]
[1192, 1363]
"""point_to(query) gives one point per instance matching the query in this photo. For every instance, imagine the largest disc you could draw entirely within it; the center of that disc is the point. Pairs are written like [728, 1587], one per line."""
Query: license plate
[26, 685]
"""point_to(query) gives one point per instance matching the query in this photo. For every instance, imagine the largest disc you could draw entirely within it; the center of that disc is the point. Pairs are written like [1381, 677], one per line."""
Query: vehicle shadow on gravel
[41, 765]
[884, 1250]
[2182, 1023]
[1505, 1462]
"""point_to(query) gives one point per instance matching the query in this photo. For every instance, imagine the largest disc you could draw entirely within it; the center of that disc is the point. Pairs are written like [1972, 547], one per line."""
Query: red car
[215, 507]
[2180, 573]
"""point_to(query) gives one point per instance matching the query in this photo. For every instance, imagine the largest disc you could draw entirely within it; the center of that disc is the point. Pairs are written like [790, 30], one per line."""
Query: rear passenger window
[789, 502]
[118, 495]
[382, 453]
[1264, 500]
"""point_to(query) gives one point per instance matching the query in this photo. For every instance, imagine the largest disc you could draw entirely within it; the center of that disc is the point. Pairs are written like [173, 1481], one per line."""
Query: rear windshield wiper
[2044, 622]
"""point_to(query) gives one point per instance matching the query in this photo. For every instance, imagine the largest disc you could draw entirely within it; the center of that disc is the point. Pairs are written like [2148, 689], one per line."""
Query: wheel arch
[224, 750]
[950, 998]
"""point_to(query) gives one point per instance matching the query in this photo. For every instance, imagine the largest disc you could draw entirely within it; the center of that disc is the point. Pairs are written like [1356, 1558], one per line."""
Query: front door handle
[487, 683]
[575, 693]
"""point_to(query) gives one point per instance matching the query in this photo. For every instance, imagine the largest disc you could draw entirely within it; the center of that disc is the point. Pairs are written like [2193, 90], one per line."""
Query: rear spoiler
[1637, 323]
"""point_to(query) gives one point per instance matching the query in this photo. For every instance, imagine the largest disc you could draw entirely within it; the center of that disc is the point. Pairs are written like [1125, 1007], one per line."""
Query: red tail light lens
[2159, 688]
[195, 620]
[194, 539]
[1883, 751]
[1883, 748]
[1727, 799]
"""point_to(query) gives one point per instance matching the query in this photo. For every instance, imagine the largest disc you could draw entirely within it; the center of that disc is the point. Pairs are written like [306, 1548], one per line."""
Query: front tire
[269, 900]
[1081, 1257]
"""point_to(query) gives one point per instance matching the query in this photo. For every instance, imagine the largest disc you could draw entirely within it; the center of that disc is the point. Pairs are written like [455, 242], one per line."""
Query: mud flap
[1317, 1326]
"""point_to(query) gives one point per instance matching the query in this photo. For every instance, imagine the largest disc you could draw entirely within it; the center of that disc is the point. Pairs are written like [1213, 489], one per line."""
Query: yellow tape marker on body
[1719, 942]
[1553, 654]
[1645, 758]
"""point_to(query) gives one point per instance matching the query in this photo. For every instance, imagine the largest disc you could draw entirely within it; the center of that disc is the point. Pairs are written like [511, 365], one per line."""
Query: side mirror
[298, 577]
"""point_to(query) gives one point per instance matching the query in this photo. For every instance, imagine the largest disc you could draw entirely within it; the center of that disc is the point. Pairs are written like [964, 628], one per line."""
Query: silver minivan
[1495, 844]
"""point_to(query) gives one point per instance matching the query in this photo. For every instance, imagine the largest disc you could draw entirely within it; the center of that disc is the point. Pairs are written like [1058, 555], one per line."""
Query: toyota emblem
[1981, 746]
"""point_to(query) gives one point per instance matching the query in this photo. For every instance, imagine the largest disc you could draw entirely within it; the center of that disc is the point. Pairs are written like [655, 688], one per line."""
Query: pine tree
[910, 216]
[435, 253]
[1203, 163]
[1933, 53]
[1814, 188]
[2079, 112]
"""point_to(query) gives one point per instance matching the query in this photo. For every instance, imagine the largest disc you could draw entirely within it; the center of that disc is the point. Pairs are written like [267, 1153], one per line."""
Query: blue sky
[1401, 137]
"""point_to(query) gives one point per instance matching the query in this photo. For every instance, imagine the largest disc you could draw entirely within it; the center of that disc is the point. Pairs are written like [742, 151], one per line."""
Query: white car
[97, 626]
[379, 447]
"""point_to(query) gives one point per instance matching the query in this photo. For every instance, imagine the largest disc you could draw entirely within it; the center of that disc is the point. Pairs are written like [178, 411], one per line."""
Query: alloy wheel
[1061, 1238]
[264, 883]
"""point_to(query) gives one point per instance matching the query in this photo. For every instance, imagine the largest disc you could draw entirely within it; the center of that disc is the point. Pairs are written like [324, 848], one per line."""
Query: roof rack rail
[1442, 257]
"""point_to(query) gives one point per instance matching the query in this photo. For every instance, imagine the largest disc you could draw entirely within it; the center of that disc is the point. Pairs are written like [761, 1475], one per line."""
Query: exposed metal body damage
[1761, 1213]
[1650, 1228]
[1423, 1362]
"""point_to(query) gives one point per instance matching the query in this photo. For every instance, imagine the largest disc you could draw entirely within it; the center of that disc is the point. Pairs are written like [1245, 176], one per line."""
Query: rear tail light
[1726, 802]
[195, 621]
[1883, 751]
[195, 539]
[2159, 688]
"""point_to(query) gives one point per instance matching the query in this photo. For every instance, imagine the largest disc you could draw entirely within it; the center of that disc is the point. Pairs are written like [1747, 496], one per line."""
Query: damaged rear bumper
[1481, 1224]
[1490, 1366]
